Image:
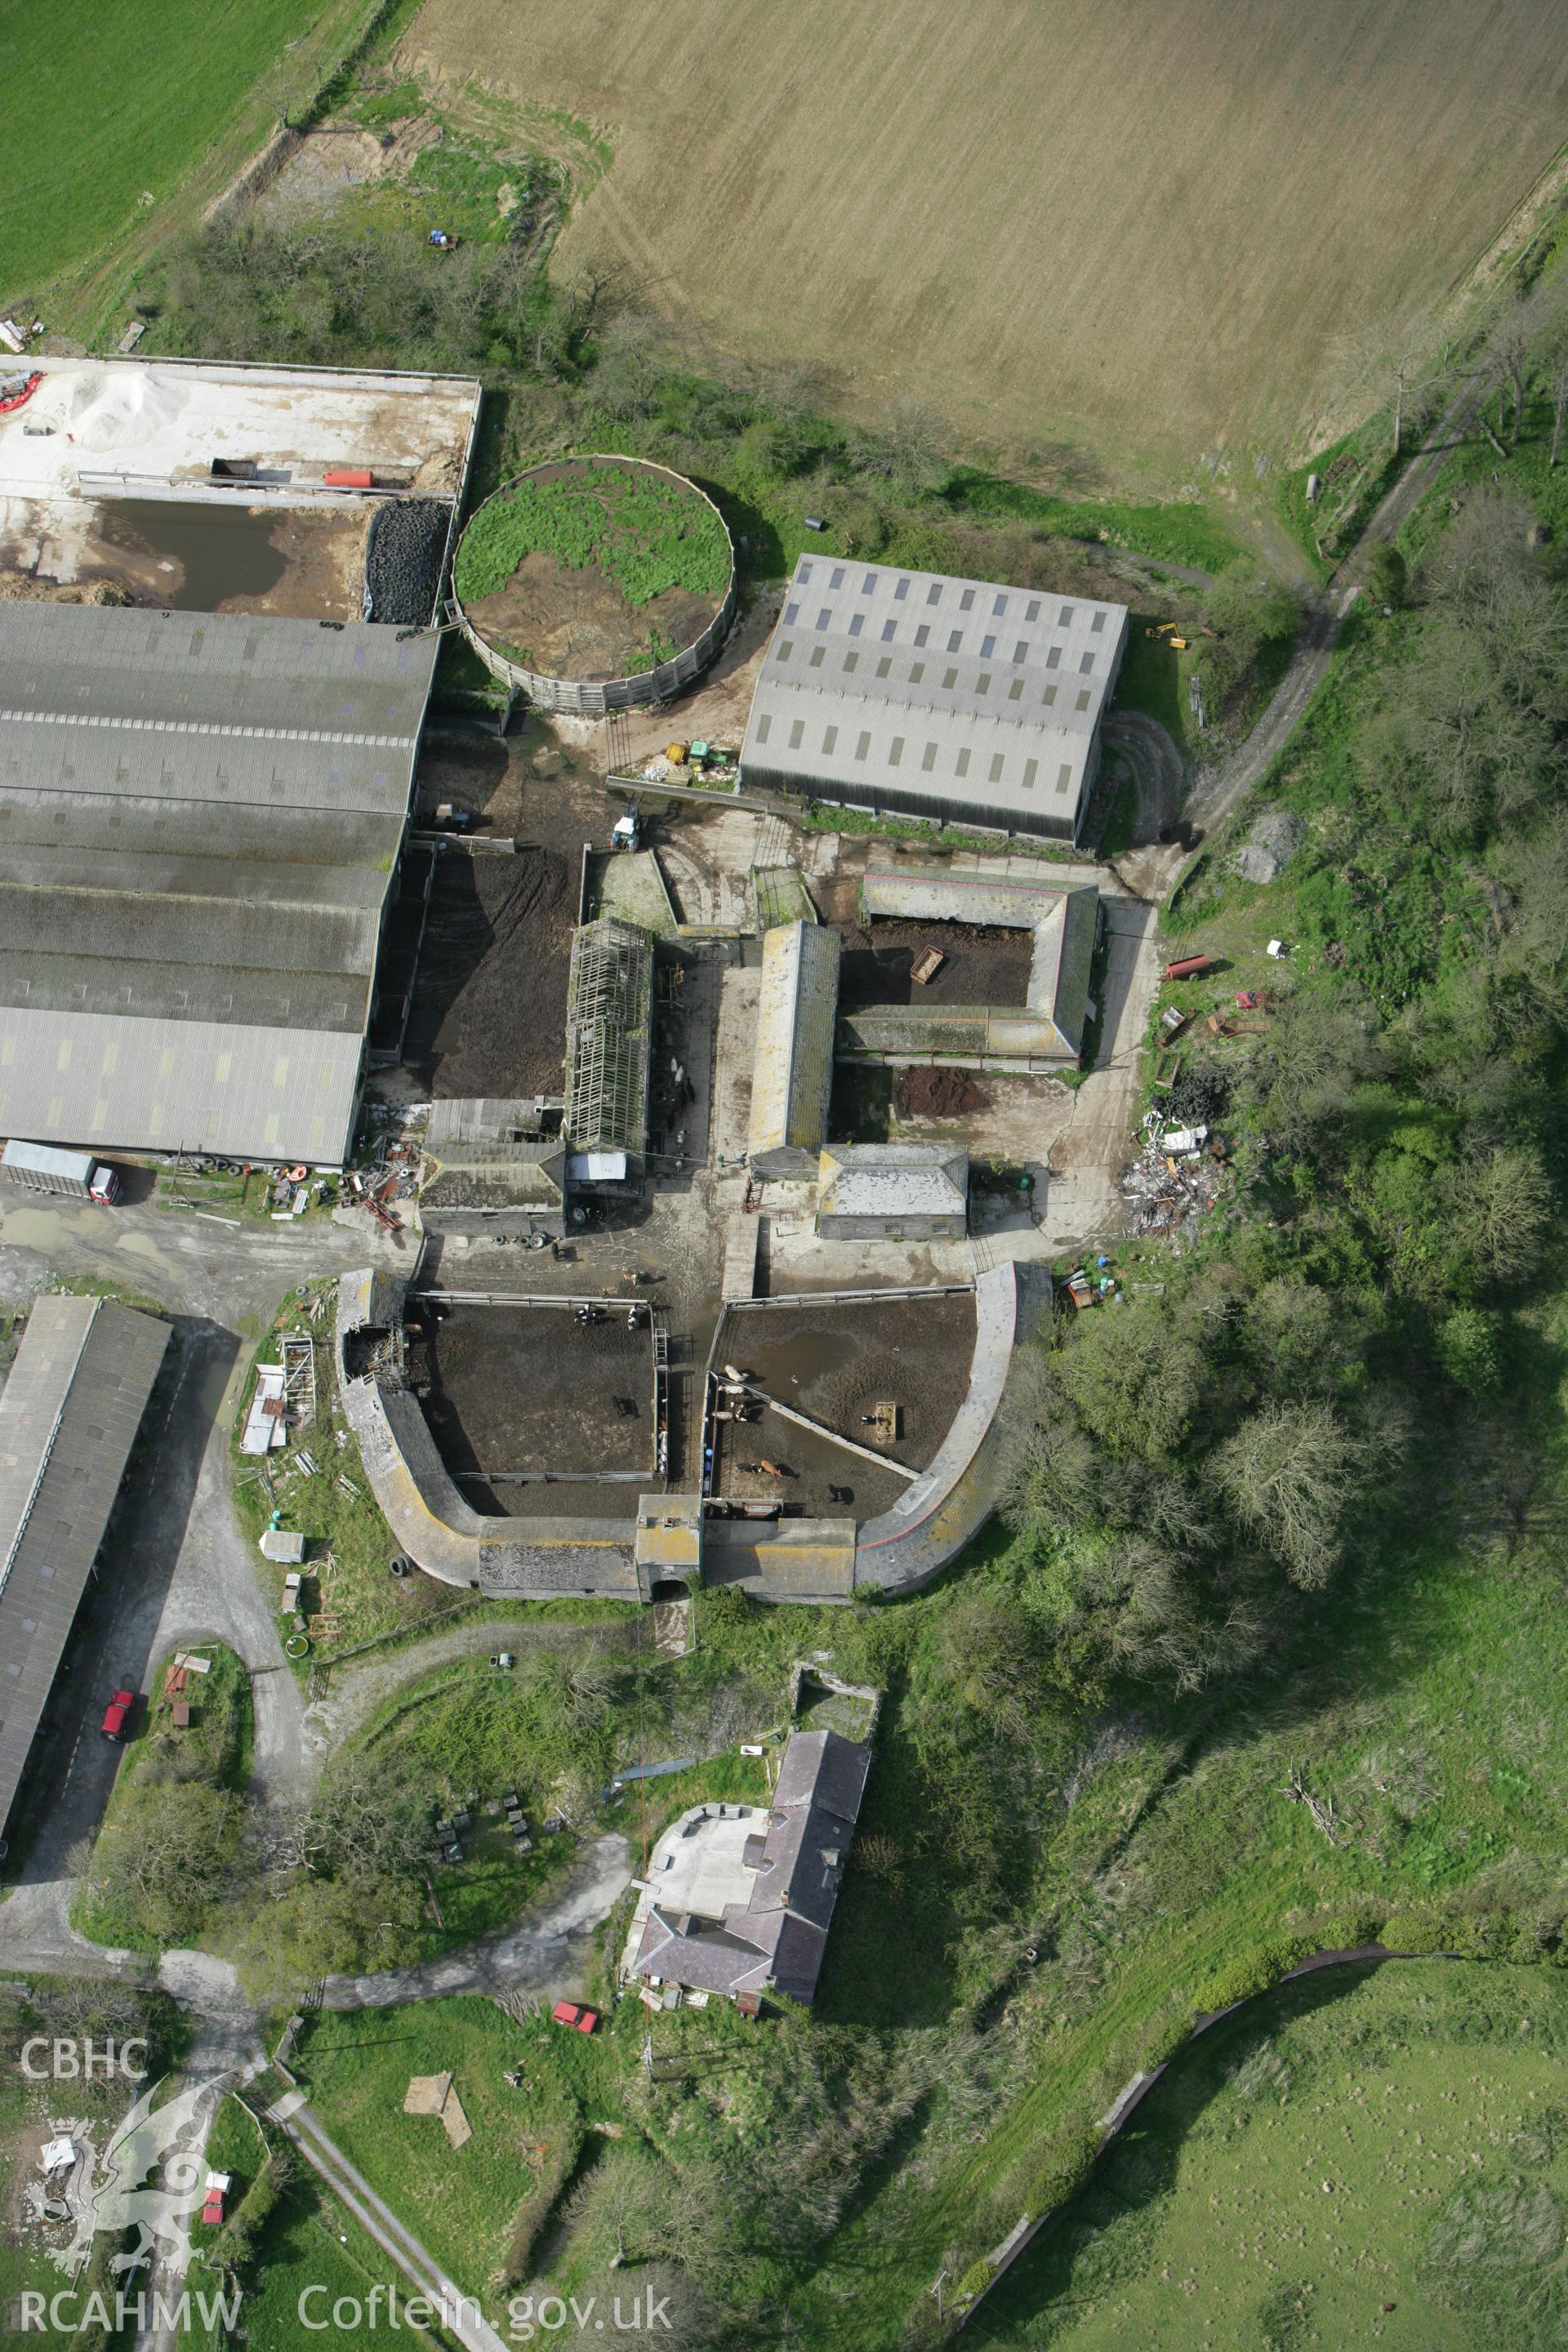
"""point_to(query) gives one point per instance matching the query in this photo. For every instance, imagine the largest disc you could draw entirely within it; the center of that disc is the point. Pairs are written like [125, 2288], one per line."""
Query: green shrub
[1259, 1973]
[1060, 2172]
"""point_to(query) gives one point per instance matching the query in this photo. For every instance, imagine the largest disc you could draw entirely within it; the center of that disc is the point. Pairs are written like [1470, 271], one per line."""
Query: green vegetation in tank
[643, 532]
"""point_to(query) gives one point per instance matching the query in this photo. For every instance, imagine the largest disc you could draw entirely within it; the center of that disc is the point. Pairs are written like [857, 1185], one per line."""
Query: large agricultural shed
[200, 819]
[69, 1416]
[215, 653]
[924, 695]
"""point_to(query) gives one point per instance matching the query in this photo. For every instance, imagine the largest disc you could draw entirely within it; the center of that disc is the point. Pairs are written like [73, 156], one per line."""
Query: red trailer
[1186, 967]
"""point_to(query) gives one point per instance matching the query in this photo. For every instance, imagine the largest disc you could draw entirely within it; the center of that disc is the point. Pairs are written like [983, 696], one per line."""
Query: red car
[573, 2013]
[117, 1714]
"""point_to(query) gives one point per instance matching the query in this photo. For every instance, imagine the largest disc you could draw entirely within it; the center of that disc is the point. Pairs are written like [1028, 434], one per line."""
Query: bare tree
[1289, 1473]
[1556, 375]
[1386, 355]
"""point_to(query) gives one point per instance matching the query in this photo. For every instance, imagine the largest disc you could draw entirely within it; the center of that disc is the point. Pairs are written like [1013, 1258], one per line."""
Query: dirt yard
[982, 965]
[577, 624]
[490, 1002]
[838, 1362]
[294, 563]
[527, 1387]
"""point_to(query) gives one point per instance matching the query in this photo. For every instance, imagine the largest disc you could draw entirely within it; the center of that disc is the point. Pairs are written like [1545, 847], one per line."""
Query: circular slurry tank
[592, 583]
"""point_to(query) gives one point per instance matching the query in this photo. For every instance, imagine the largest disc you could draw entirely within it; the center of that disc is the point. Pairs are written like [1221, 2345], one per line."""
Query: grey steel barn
[917, 693]
[69, 1416]
[201, 817]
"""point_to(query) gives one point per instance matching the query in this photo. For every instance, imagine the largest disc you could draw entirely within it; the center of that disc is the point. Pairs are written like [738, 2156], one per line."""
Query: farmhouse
[893, 1191]
[793, 1078]
[69, 1416]
[774, 1936]
[916, 693]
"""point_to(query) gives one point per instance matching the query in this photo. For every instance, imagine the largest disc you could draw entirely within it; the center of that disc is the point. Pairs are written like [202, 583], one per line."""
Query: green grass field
[465, 2204]
[1373, 2155]
[118, 105]
[311, 2253]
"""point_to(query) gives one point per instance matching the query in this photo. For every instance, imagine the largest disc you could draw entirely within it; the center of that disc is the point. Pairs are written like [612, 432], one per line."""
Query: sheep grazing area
[1371, 2155]
[1138, 231]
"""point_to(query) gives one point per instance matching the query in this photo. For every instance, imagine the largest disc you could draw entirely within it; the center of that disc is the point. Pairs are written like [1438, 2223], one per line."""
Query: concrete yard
[153, 427]
[515, 1388]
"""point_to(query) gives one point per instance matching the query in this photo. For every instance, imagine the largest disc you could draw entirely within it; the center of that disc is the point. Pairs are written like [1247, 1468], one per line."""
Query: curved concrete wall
[932, 1520]
[596, 700]
[793, 1561]
[534, 1560]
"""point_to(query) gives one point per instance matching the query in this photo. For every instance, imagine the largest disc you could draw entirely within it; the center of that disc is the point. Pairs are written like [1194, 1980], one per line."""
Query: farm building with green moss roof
[592, 583]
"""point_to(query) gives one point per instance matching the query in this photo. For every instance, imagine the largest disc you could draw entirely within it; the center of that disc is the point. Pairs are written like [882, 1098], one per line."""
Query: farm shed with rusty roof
[792, 1080]
[919, 693]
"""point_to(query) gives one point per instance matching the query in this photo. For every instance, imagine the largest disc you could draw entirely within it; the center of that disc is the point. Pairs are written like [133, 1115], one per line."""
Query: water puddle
[194, 558]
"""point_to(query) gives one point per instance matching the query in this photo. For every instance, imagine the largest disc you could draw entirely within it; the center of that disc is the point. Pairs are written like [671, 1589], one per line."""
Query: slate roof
[778, 1937]
[893, 1180]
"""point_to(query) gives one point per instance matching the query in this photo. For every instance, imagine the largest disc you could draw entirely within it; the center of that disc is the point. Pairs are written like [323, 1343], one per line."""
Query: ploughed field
[1138, 229]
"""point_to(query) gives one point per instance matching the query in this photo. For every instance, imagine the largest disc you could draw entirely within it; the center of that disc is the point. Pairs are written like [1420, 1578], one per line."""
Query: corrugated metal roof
[936, 687]
[89, 1078]
[200, 815]
[792, 1071]
[69, 1414]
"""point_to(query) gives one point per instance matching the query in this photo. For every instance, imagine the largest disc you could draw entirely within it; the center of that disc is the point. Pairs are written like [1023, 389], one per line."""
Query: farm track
[1160, 872]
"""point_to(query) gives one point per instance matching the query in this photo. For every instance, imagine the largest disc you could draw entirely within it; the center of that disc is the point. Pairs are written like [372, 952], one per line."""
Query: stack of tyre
[402, 560]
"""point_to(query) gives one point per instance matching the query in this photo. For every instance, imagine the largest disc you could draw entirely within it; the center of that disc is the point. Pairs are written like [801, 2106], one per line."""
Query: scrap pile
[1176, 1177]
[402, 560]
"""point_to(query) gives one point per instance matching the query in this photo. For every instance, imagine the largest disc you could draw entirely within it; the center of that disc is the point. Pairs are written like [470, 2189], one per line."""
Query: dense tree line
[1186, 1472]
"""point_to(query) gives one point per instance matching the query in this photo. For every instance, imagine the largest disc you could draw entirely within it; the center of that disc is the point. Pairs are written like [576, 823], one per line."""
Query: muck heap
[593, 583]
